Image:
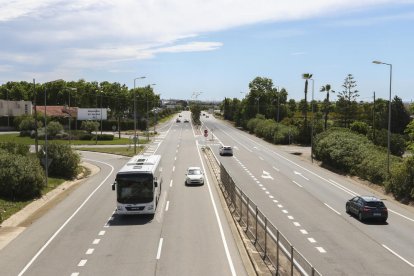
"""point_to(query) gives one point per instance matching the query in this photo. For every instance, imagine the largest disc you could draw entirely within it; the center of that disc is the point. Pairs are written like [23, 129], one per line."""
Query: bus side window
[155, 182]
[113, 186]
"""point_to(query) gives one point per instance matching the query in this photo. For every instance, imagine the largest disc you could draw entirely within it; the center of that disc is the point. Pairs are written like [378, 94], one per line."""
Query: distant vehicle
[186, 121]
[179, 115]
[194, 175]
[178, 120]
[204, 114]
[366, 207]
[226, 150]
[138, 185]
[207, 116]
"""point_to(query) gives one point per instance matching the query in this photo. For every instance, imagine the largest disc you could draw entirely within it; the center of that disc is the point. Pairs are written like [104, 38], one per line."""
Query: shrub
[105, 137]
[401, 182]
[54, 128]
[64, 161]
[90, 126]
[360, 127]
[21, 177]
[15, 148]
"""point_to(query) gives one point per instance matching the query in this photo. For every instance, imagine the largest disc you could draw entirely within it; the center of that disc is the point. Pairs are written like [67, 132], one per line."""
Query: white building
[15, 108]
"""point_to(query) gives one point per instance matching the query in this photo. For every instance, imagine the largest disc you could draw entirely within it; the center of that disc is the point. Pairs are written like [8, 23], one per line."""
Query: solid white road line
[393, 252]
[159, 248]
[68, 220]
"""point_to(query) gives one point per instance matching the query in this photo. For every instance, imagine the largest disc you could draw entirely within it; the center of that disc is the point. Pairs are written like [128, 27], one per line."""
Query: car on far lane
[178, 120]
[186, 121]
[367, 207]
[194, 176]
[226, 150]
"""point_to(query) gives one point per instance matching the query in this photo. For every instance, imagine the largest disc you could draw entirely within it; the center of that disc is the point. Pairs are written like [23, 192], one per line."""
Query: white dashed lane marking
[96, 241]
[320, 249]
[82, 263]
[89, 251]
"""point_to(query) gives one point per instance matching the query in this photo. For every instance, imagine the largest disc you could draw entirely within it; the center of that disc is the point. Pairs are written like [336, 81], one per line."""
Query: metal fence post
[265, 243]
[247, 215]
[277, 252]
[255, 236]
[291, 260]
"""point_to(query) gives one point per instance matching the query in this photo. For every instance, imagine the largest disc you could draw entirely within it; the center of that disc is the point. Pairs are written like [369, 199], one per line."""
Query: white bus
[138, 185]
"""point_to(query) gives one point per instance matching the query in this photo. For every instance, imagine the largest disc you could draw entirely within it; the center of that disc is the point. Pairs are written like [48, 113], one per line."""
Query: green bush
[352, 153]
[285, 135]
[15, 148]
[360, 127]
[105, 137]
[54, 128]
[21, 177]
[398, 142]
[86, 137]
[401, 182]
[64, 161]
[90, 126]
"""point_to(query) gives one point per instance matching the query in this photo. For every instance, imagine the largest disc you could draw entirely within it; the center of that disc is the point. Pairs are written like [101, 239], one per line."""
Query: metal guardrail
[277, 252]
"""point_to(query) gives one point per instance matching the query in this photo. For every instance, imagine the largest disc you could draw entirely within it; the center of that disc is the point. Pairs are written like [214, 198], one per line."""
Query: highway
[81, 235]
[307, 204]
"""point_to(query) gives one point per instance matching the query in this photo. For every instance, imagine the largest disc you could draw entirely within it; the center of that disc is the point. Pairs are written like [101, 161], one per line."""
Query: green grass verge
[29, 141]
[125, 151]
[8, 208]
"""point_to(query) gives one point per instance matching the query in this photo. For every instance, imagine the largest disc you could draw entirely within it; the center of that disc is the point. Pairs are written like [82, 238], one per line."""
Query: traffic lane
[193, 246]
[301, 178]
[30, 247]
[294, 213]
[334, 191]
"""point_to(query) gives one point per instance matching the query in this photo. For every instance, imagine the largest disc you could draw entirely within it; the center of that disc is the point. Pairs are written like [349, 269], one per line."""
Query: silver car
[194, 176]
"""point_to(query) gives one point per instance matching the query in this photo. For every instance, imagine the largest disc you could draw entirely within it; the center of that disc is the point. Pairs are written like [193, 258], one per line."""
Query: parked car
[367, 207]
[226, 150]
[194, 176]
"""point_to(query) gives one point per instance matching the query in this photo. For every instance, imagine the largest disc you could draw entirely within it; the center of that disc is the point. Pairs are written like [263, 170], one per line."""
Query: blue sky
[215, 47]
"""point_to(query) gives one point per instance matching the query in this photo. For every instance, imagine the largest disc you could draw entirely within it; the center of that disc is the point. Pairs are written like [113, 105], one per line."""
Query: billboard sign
[92, 114]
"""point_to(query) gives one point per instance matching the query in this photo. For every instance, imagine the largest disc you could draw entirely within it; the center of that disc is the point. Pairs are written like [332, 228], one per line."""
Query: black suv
[365, 207]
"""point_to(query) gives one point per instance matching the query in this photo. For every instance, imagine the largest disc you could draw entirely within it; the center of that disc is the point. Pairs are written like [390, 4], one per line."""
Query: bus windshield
[135, 188]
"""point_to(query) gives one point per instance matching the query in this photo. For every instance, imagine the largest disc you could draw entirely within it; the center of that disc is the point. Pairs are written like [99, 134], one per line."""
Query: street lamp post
[147, 125]
[313, 118]
[70, 115]
[389, 116]
[135, 117]
[46, 161]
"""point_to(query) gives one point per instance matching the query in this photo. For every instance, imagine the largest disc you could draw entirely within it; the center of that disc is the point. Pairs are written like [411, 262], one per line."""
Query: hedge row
[272, 131]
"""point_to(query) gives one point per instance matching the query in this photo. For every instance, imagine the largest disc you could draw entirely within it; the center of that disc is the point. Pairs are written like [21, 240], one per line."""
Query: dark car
[367, 207]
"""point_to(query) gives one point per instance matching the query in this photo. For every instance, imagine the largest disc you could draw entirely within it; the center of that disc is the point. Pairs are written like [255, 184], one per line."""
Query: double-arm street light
[389, 115]
[135, 116]
[313, 118]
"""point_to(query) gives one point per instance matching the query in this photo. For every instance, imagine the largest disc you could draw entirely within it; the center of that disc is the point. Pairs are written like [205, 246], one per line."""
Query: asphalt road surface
[307, 204]
[189, 234]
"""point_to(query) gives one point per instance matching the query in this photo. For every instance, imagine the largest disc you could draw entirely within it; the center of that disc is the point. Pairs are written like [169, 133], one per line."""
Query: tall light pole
[46, 161]
[135, 116]
[70, 115]
[278, 102]
[389, 115]
[152, 84]
[313, 118]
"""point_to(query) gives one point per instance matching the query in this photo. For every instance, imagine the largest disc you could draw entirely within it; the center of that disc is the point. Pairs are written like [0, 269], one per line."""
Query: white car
[194, 176]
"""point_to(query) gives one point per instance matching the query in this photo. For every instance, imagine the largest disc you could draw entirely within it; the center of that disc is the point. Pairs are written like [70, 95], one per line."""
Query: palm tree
[327, 89]
[306, 76]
